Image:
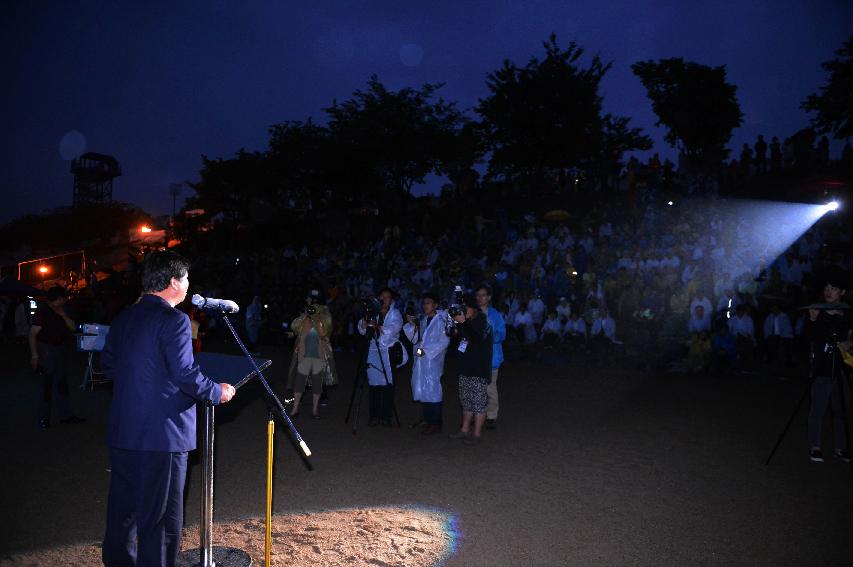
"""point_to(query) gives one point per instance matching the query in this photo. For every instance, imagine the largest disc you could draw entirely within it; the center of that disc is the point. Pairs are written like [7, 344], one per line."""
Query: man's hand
[459, 318]
[228, 392]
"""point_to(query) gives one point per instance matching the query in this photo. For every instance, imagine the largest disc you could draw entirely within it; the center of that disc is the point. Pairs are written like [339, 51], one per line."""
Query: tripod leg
[790, 421]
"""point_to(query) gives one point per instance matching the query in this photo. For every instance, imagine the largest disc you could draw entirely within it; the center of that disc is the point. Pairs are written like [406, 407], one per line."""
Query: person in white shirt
[536, 307]
[574, 331]
[429, 339]
[701, 299]
[523, 325]
[552, 332]
[741, 326]
[564, 308]
[699, 322]
[603, 330]
[778, 335]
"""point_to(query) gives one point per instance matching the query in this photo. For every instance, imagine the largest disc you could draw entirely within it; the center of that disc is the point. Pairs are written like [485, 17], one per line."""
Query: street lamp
[43, 270]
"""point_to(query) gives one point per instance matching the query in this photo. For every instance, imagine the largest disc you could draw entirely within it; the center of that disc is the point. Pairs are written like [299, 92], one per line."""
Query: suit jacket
[156, 381]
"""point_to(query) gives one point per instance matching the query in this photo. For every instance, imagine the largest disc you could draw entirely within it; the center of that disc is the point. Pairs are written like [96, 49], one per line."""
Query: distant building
[93, 178]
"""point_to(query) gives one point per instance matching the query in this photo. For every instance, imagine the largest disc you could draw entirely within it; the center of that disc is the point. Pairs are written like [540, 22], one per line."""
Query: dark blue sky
[158, 84]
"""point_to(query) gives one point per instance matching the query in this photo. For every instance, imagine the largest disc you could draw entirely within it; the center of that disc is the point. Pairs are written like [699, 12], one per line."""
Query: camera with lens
[457, 308]
[310, 310]
[369, 308]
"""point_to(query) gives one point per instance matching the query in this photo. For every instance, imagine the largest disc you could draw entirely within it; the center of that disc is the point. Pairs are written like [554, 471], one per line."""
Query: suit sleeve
[185, 373]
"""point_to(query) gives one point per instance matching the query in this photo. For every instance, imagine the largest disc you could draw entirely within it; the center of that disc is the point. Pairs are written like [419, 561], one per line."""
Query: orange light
[43, 269]
[145, 229]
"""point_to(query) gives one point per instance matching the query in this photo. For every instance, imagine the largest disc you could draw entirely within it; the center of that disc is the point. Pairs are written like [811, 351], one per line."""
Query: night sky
[158, 84]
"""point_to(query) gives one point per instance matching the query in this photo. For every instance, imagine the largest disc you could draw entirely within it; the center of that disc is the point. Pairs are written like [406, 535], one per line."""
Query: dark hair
[430, 295]
[55, 293]
[389, 290]
[159, 269]
[487, 288]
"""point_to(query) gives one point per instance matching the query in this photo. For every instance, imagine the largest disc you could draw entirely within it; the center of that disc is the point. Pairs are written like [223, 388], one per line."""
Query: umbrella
[557, 215]
[14, 287]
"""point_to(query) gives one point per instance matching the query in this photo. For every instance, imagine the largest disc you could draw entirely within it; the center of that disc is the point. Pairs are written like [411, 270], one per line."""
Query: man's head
[471, 304]
[429, 303]
[386, 297]
[835, 281]
[699, 311]
[484, 296]
[56, 296]
[166, 274]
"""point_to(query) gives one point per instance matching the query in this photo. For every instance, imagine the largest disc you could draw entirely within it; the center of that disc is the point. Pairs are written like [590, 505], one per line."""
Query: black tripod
[361, 377]
[836, 377]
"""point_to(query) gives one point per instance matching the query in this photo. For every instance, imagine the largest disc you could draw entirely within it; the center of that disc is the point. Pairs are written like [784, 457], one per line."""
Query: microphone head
[197, 300]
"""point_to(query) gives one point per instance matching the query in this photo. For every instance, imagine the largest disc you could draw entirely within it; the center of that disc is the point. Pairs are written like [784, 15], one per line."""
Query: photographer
[828, 331]
[430, 345]
[312, 354]
[385, 352]
[475, 368]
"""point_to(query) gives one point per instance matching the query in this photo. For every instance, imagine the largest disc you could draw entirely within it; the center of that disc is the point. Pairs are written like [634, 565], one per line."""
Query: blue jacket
[156, 381]
[496, 320]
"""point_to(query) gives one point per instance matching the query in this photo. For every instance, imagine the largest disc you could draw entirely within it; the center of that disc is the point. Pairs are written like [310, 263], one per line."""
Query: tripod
[361, 376]
[836, 378]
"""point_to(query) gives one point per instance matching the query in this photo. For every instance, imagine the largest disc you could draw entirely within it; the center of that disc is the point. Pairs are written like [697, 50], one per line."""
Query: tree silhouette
[546, 117]
[395, 138]
[834, 105]
[696, 105]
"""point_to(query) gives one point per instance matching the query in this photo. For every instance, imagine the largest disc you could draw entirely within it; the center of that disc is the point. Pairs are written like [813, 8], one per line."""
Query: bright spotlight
[43, 269]
[145, 229]
[831, 206]
[670, 203]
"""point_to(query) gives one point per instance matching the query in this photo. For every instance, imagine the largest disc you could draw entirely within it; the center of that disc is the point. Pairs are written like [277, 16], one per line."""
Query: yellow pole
[268, 541]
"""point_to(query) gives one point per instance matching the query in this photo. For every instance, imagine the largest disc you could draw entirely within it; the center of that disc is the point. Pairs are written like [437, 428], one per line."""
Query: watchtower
[93, 178]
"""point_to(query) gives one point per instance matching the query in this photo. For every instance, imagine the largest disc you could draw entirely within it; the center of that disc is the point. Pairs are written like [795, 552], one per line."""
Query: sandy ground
[383, 536]
[594, 462]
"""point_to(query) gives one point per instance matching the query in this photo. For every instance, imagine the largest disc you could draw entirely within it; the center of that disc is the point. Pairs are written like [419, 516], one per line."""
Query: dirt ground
[594, 462]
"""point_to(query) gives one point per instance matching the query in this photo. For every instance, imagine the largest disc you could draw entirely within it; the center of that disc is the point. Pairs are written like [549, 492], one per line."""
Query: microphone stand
[278, 407]
[233, 557]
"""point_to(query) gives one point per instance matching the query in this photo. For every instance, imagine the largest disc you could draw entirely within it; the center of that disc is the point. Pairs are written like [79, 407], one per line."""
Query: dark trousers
[826, 391]
[381, 402]
[432, 413]
[145, 510]
[54, 381]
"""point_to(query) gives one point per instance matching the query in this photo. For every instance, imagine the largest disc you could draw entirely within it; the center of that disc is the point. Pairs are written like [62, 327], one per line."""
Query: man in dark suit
[152, 423]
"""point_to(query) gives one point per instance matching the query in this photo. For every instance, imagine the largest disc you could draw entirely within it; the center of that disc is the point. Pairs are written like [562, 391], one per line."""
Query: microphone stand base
[222, 557]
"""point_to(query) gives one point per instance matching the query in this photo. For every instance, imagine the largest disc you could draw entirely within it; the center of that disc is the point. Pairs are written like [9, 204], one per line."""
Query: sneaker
[491, 424]
[459, 435]
[816, 455]
[842, 454]
[472, 440]
[44, 423]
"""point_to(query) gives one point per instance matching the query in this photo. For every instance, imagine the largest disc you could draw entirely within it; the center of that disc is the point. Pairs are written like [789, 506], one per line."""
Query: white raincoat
[390, 336]
[427, 370]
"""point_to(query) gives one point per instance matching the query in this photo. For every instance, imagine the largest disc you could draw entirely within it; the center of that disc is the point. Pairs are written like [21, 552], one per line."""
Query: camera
[369, 308]
[457, 307]
[310, 310]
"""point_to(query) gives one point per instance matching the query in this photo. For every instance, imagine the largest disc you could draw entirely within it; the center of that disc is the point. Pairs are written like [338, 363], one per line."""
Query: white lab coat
[390, 336]
[427, 369]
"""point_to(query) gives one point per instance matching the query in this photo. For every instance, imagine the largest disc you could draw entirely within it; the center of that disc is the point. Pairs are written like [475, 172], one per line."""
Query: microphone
[225, 305]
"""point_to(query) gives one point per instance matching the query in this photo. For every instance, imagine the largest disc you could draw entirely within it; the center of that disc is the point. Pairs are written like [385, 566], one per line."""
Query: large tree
[834, 105]
[696, 105]
[395, 138]
[546, 117]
